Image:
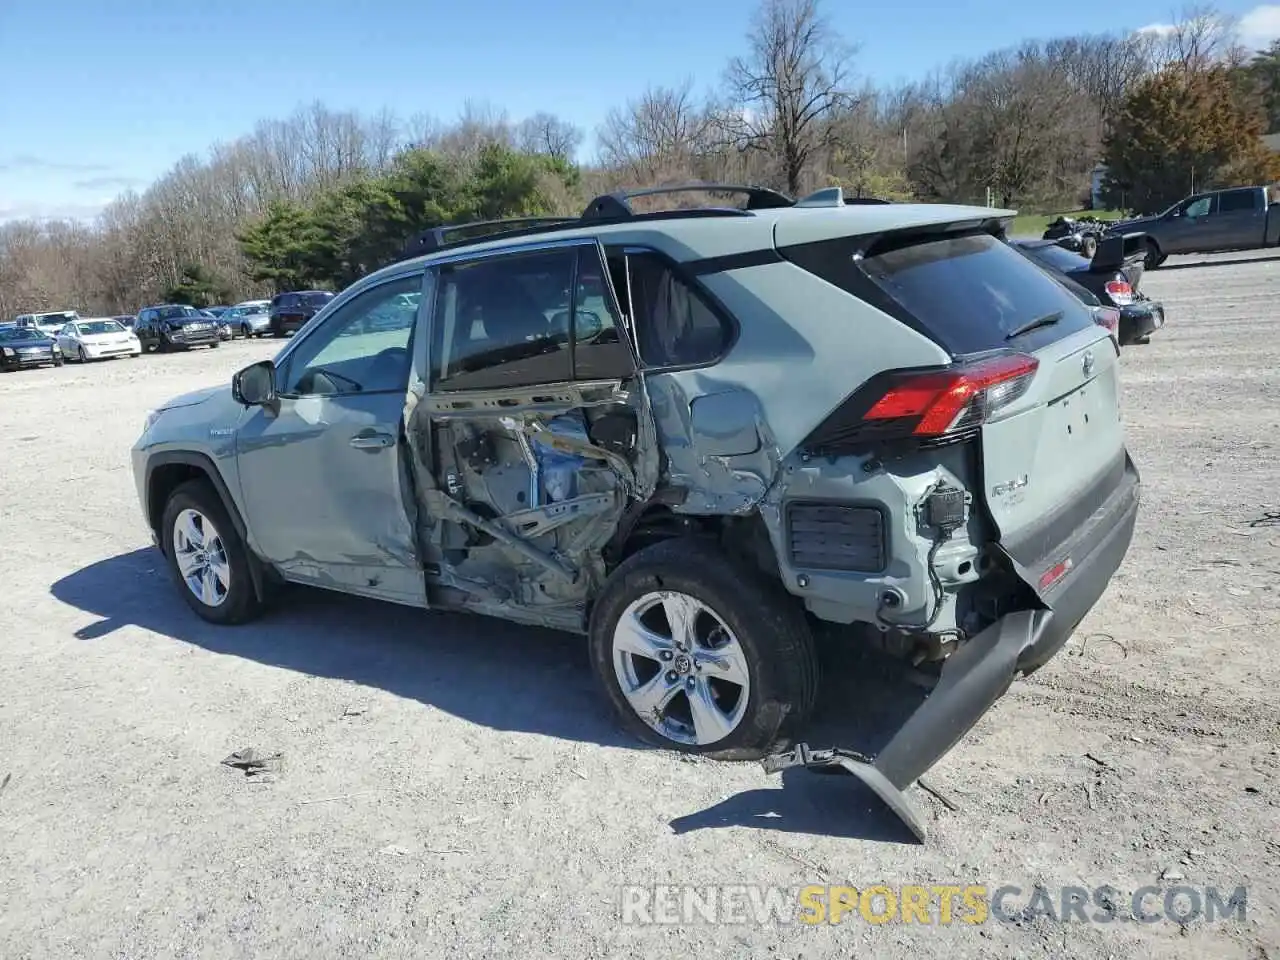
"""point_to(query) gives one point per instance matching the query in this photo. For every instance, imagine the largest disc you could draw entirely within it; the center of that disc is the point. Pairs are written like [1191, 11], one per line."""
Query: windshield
[99, 326]
[179, 313]
[14, 334]
[55, 319]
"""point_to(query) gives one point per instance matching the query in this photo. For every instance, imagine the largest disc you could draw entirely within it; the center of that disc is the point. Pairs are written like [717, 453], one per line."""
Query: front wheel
[1153, 258]
[701, 654]
[208, 560]
[84, 357]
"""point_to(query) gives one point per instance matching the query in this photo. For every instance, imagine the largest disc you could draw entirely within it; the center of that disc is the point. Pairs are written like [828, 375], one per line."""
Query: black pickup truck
[1242, 218]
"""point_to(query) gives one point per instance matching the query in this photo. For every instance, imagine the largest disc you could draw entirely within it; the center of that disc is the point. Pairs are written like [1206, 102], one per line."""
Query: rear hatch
[1035, 379]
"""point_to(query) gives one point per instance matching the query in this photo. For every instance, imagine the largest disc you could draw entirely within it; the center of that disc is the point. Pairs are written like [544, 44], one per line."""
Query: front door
[322, 477]
[1191, 231]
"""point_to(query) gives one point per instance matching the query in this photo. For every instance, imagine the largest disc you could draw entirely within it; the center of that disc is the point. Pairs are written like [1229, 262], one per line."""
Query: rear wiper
[1048, 320]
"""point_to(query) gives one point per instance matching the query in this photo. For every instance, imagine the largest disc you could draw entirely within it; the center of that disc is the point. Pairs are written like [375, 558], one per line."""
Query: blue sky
[97, 96]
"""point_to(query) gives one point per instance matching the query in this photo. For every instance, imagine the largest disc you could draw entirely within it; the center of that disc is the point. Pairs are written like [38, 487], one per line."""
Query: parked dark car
[290, 312]
[1112, 276]
[26, 347]
[175, 326]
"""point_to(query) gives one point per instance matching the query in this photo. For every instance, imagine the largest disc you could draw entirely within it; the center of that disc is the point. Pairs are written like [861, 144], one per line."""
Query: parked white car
[47, 324]
[97, 338]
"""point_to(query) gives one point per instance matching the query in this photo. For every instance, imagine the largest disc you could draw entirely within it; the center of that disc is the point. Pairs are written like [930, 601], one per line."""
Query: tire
[774, 647]
[1153, 258]
[216, 344]
[83, 358]
[245, 331]
[235, 601]
[1088, 247]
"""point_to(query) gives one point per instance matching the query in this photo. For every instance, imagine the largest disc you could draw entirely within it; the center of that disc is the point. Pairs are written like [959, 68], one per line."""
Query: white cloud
[1157, 29]
[1260, 26]
[20, 210]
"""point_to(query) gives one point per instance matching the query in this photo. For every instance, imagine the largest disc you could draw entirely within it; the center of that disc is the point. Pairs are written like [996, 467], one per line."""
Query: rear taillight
[1108, 317]
[933, 405]
[1119, 291]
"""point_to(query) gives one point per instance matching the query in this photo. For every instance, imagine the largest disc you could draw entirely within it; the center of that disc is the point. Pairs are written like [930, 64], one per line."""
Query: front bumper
[199, 338]
[21, 358]
[1138, 320]
[103, 352]
[980, 672]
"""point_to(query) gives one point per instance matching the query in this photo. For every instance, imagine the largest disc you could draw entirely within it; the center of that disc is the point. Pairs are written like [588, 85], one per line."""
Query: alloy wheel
[201, 557]
[680, 668]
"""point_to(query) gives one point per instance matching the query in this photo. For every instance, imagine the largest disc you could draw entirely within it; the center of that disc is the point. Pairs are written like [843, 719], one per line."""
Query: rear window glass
[972, 292]
[1058, 258]
[316, 299]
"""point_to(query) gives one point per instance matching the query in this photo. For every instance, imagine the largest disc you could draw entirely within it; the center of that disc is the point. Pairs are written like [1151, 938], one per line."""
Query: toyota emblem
[1088, 362]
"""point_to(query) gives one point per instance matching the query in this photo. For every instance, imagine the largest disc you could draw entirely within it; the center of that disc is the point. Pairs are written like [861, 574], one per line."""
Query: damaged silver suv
[708, 439]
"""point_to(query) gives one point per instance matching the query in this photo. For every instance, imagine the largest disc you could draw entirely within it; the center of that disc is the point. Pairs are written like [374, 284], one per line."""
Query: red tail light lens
[928, 406]
[1108, 317]
[1119, 291]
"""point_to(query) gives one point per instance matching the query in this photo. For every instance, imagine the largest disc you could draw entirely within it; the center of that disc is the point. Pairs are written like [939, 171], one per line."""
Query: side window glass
[1199, 207]
[674, 325]
[504, 321]
[362, 348]
[1234, 201]
[600, 350]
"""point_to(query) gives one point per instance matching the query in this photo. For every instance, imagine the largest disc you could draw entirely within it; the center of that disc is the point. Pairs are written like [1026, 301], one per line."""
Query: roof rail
[436, 238]
[616, 206]
[605, 208]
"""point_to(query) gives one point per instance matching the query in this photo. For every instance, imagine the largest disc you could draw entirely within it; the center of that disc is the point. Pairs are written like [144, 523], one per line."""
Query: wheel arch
[169, 469]
[654, 521]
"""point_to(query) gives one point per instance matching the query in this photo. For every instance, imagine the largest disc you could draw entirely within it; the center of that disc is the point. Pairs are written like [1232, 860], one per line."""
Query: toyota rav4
[707, 439]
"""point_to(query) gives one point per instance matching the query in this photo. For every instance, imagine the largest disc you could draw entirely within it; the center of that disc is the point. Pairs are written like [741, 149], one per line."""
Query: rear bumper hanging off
[980, 672]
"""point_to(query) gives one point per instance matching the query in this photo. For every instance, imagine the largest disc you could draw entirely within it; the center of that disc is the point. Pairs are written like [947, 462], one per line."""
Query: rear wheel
[1088, 247]
[206, 556]
[700, 654]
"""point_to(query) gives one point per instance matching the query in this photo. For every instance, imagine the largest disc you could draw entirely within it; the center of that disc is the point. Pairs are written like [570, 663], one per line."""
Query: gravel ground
[452, 784]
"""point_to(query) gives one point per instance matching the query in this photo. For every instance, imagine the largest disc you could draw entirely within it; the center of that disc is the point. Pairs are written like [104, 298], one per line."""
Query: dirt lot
[454, 784]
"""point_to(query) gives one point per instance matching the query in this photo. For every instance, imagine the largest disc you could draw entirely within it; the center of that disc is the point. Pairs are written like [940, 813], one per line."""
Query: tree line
[322, 197]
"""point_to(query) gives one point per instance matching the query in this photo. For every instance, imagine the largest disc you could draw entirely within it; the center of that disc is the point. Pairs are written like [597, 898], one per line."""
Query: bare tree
[787, 87]
[547, 133]
[1201, 37]
[657, 136]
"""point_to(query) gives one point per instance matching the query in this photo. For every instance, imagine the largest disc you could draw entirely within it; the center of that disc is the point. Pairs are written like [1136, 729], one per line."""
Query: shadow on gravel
[504, 676]
[864, 701]
[815, 804]
[485, 670]
[1216, 263]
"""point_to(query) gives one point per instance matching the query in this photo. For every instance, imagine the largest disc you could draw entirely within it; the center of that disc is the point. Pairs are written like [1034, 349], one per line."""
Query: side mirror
[255, 385]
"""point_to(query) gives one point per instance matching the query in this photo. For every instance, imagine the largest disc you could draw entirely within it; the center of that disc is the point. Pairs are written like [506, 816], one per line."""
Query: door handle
[372, 441]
